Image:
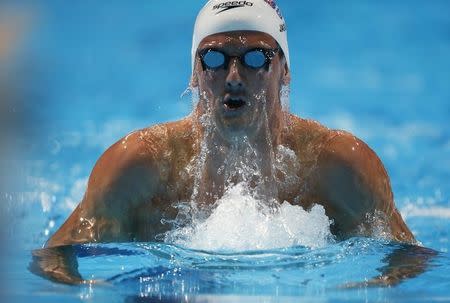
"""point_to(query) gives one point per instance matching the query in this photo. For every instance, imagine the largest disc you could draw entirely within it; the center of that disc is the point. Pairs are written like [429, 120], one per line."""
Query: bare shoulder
[305, 137]
[305, 130]
[347, 178]
[334, 148]
[343, 148]
[127, 175]
[139, 155]
[133, 167]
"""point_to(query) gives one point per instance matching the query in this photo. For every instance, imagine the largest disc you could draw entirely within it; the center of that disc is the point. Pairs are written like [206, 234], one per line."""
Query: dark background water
[80, 75]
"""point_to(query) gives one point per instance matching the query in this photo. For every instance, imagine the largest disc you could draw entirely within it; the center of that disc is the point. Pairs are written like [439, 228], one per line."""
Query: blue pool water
[83, 75]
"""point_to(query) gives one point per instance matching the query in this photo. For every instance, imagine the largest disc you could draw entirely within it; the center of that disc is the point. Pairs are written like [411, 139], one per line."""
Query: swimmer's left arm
[354, 184]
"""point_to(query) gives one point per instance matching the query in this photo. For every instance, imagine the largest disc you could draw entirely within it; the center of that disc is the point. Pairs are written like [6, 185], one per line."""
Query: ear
[286, 78]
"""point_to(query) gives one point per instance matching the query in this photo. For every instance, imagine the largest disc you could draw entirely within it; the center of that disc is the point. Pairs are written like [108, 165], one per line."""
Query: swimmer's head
[240, 64]
[219, 16]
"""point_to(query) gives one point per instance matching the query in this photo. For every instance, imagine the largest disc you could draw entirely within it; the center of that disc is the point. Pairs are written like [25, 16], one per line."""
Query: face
[240, 99]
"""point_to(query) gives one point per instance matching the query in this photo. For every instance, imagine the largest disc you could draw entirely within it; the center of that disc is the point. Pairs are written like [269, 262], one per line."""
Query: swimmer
[240, 64]
[235, 59]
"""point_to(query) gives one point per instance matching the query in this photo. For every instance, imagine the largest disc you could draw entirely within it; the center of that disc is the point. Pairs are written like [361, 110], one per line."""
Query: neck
[224, 162]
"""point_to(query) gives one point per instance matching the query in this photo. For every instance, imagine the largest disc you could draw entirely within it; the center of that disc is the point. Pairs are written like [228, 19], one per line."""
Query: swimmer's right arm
[121, 179]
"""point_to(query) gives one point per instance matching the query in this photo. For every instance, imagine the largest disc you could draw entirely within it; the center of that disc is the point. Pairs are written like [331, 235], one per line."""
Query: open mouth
[234, 103]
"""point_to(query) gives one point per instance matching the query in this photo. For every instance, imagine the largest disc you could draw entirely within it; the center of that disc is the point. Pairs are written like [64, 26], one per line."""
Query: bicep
[344, 193]
[119, 182]
[89, 223]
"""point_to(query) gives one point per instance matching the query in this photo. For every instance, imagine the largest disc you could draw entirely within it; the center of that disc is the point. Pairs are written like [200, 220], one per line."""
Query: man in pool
[240, 63]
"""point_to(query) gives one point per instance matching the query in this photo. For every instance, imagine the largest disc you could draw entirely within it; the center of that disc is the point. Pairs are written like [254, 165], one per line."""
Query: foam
[240, 222]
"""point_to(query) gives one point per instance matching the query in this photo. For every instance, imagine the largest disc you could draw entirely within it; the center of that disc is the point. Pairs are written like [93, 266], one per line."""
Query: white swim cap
[219, 16]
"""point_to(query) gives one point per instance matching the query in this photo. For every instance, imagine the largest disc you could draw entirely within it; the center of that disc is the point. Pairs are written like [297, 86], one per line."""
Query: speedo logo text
[231, 5]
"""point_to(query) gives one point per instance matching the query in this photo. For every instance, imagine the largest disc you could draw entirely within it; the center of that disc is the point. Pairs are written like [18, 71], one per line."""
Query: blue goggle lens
[213, 59]
[255, 59]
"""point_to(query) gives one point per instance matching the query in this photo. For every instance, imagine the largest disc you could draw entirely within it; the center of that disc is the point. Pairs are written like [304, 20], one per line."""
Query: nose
[234, 79]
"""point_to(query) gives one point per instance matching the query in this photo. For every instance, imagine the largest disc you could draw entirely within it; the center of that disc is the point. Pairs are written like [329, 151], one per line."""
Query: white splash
[240, 222]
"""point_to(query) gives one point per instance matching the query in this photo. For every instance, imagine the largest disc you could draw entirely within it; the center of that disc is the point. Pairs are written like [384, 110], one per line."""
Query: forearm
[57, 264]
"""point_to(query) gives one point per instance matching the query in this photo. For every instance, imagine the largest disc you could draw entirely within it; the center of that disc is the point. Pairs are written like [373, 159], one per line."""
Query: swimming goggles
[213, 59]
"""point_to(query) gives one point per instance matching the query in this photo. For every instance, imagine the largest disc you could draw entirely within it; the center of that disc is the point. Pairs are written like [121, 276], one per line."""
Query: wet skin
[136, 181]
